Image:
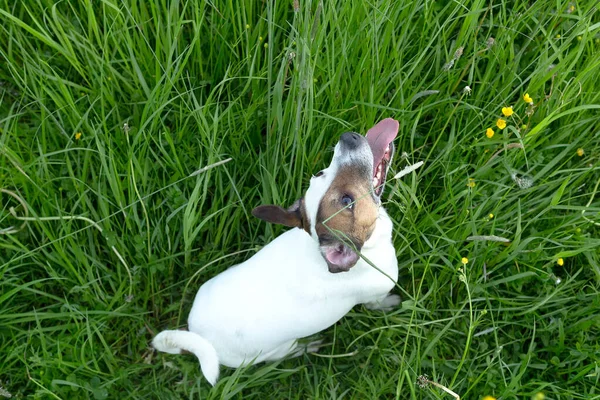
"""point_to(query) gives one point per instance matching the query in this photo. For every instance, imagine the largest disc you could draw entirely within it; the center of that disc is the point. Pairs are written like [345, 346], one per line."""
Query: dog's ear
[294, 216]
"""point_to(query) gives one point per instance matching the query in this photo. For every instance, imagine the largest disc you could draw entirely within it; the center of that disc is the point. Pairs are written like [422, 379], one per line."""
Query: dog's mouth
[339, 257]
[380, 139]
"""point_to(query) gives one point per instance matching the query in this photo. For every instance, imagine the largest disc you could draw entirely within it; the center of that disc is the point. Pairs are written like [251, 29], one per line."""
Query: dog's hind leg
[292, 349]
[386, 303]
[311, 347]
[281, 351]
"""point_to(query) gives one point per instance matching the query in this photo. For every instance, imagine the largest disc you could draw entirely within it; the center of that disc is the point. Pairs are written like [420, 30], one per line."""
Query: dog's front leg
[385, 303]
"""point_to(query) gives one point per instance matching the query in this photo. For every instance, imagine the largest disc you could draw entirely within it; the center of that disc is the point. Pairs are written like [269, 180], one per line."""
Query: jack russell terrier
[309, 277]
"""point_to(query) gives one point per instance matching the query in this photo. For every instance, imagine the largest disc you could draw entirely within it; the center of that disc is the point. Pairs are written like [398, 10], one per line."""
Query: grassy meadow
[111, 110]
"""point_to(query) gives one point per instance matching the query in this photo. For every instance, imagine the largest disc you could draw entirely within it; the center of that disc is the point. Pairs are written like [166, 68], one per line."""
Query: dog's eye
[320, 173]
[347, 201]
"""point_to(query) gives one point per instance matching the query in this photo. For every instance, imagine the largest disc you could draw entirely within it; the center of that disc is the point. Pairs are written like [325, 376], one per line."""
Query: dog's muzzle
[340, 256]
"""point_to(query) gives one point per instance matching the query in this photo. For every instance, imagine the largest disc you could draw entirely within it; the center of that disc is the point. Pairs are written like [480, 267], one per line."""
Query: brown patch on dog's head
[346, 217]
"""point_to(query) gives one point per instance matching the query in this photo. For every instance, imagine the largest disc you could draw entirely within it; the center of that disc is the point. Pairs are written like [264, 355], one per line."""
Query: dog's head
[341, 206]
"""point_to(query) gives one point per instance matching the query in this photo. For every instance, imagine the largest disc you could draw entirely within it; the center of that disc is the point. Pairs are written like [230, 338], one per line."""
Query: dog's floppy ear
[294, 216]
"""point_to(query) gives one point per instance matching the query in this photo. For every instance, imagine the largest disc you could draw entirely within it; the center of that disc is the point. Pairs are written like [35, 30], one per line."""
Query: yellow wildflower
[501, 123]
[471, 183]
[572, 8]
[539, 396]
[558, 36]
[580, 152]
[464, 260]
[560, 262]
[527, 99]
[489, 398]
[247, 26]
[78, 136]
[579, 38]
[489, 133]
[507, 111]
[490, 216]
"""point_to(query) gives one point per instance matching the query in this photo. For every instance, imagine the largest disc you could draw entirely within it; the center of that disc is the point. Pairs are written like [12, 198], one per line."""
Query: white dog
[309, 277]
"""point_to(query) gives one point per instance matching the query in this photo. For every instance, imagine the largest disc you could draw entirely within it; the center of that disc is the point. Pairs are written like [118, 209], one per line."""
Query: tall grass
[108, 108]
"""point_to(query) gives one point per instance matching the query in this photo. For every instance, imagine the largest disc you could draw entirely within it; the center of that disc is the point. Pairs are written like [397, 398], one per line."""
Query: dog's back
[283, 293]
[268, 300]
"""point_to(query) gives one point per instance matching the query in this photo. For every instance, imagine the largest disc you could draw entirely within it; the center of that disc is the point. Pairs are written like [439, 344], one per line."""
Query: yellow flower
[471, 183]
[247, 26]
[539, 396]
[489, 398]
[580, 152]
[579, 38]
[260, 39]
[464, 260]
[78, 136]
[558, 36]
[490, 216]
[572, 8]
[501, 123]
[489, 133]
[507, 111]
[560, 262]
[527, 99]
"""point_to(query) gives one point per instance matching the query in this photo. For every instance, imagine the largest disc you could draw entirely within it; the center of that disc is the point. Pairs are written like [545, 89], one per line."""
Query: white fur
[317, 189]
[257, 310]
[173, 342]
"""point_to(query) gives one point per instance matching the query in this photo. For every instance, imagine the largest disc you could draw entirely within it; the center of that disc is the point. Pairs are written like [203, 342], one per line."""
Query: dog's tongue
[341, 256]
[379, 138]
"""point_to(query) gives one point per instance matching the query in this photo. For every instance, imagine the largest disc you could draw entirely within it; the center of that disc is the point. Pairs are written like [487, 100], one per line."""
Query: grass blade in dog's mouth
[380, 139]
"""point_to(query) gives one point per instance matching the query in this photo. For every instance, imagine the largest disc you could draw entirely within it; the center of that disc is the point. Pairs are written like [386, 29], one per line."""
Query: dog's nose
[351, 140]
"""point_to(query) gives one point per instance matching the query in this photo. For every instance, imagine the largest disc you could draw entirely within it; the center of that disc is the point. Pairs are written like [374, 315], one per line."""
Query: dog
[307, 278]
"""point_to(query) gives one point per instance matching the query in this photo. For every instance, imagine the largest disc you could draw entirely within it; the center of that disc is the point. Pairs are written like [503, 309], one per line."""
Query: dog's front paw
[385, 304]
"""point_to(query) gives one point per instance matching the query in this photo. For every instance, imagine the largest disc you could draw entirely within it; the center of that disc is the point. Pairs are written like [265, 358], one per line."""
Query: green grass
[119, 235]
